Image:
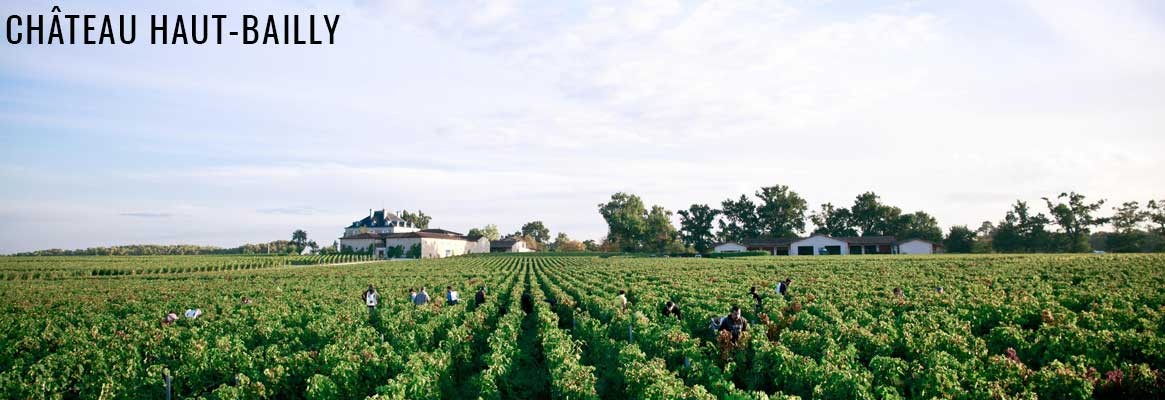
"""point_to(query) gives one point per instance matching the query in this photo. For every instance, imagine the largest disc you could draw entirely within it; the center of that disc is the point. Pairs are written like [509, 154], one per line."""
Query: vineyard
[1023, 326]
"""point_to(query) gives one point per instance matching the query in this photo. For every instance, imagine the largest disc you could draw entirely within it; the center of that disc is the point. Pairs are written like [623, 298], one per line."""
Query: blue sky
[503, 112]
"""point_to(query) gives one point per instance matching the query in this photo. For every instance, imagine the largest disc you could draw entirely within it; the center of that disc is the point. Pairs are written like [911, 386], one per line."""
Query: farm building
[827, 245]
[383, 232]
[730, 247]
[919, 246]
[776, 246]
[509, 245]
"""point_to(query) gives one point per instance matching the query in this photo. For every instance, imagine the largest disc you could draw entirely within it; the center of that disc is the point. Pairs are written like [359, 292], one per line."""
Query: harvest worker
[451, 296]
[527, 302]
[898, 293]
[479, 298]
[170, 318]
[734, 323]
[622, 299]
[670, 309]
[412, 295]
[422, 298]
[783, 287]
[193, 313]
[371, 297]
[756, 300]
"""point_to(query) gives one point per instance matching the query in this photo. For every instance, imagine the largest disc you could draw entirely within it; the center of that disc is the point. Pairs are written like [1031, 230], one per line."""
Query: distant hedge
[739, 254]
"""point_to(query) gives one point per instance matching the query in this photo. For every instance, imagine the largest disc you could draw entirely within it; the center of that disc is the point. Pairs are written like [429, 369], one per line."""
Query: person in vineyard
[422, 298]
[412, 295]
[783, 287]
[479, 298]
[898, 293]
[734, 323]
[756, 300]
[371, 297]
[170, 318]
[670, 309]
[527, 302]
[451, 296]
[622, 299]
[714, 326]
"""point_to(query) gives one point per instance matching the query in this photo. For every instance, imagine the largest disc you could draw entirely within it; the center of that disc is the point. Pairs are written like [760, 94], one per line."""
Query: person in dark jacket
[527, 302]
[783, 287]
[756, 299]
[734, 323]
[670, 309]
[479, 298]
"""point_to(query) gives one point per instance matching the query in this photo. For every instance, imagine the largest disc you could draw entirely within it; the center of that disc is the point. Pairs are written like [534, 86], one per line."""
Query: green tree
[626, 218]
[562, 242]
[832, 221]
[1075, 218]
[740, 220]
[780, 212]
[696, 226]
[1021, 232]
[1156, 216]
[537, 231]
[871, 217]
[489, 231]
[299, 238]
[918, 225]
[960, 239]
[414, 251]
[1126, 220]
[419, 220]
[660, 234]
[590, 245]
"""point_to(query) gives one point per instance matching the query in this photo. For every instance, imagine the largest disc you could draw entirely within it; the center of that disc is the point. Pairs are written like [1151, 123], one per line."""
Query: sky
[503, 112]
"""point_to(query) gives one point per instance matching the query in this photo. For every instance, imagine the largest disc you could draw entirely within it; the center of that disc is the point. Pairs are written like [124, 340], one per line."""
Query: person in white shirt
[622, 299]
[451, 296]
[371, 297]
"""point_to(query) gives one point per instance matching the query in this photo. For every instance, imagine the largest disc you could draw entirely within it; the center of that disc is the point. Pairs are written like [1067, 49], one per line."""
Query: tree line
[779, 212]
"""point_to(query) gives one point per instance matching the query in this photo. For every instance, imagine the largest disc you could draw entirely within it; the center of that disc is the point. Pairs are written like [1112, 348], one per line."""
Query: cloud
[299, 210]
[142, 214]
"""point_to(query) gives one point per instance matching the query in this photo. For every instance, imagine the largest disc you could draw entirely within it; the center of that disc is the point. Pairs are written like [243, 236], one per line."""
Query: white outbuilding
[729, 247]
[919, 246]
[818, 245]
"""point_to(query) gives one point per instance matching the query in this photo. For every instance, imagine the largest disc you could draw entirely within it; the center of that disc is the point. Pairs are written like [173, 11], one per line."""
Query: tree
[918, 225]
[659, 232]
[1156, 216]
[696, 226]
[1128, 217]
[394, 252]
[563, 243]
[537, 231]
[1021, 232]
[1075, 218]
[590, 245]
[489, 232]
[781, 212]
[960, 239]
[1127, 238]
[983, 237]
[832, 221]
[626, 221]
[740, 220]
[414, 251]
[299, 238]
[873, 218]
[419, 220]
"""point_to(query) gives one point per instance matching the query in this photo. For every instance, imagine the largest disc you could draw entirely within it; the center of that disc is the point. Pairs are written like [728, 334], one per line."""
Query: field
[1023, 326]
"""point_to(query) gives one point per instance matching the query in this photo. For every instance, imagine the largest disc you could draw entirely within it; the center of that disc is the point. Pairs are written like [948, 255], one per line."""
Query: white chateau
[385, 234]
